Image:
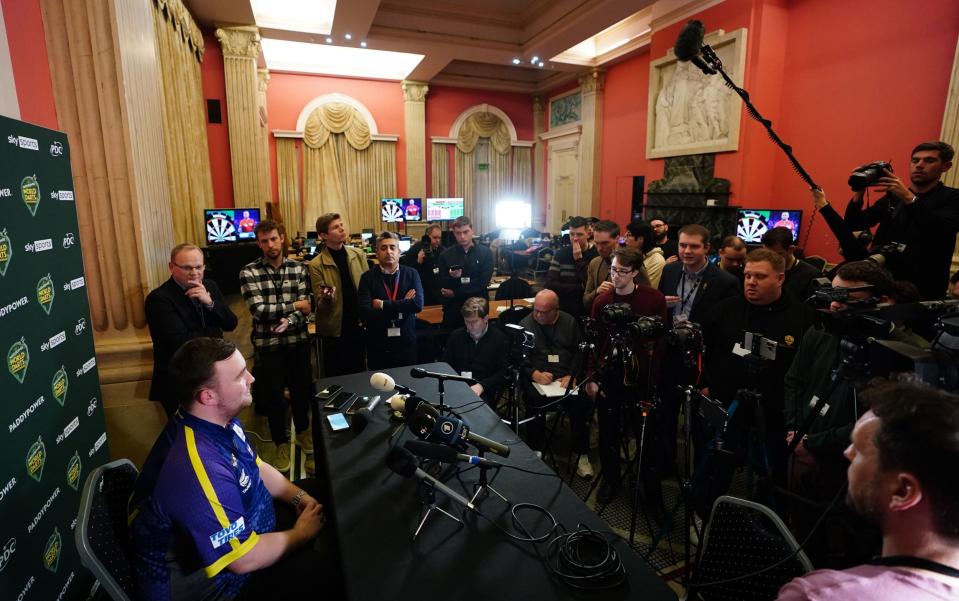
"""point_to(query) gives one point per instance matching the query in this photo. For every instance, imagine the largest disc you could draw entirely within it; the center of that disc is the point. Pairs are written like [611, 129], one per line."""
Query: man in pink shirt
[902, 476]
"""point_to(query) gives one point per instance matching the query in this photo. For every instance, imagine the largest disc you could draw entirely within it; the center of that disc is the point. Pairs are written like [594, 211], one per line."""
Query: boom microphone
[386, 383]
[419, 372]
[445, 454]
[403, 463]
[689, 44]
[427, 424]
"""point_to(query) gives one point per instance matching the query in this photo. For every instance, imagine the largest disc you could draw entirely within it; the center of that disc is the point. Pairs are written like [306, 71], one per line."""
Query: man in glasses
[186, 306]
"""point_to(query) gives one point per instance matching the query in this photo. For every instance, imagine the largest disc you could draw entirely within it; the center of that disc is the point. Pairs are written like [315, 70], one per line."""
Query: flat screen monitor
[366, 236]
[224, 226]
[753, 223]
[444, 209]
[405, 243]
[399, 210]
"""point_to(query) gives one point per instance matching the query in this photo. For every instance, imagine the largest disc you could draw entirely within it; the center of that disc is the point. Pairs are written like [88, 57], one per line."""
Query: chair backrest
[102, 537]
[514, 315]
[743, 537]
[816, 261]
[514, 288]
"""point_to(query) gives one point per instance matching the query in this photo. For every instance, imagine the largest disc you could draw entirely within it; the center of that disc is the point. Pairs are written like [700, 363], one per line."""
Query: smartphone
[337, 421]
[337, 399]
[347, 399]
[329, 392]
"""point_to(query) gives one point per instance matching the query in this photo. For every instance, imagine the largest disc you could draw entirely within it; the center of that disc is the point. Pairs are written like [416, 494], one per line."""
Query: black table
[373, 513]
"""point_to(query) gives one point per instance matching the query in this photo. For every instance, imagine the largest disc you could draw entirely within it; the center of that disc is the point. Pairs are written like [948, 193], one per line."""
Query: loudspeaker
[213, 111]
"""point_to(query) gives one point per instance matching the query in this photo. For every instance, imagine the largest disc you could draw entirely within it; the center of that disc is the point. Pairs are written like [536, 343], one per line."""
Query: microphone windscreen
[431, 450]
[381, 381]
[397, 402]
[690, 40]
[401, 461]
[418, 372]
[421, 424]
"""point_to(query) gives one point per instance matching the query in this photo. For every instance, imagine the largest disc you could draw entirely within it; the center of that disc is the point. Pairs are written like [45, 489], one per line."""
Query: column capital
[262, 77]
[539, 104]
[414, 91]
[239, 42]
[593, 82]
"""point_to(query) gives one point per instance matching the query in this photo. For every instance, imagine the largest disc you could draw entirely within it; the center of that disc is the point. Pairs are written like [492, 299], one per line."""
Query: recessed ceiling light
[363, 44]
[540, 64]
[329, 40]
[348, 36]
[301, 57]
[535, 60]
[310, 16]
[516, 61]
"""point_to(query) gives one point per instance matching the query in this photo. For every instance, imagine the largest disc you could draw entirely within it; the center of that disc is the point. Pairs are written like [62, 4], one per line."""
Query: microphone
[445, 454]
[427, 424]
[419, 372]
[403, 463]
[386, 383]
[690, 43]
[365, 415]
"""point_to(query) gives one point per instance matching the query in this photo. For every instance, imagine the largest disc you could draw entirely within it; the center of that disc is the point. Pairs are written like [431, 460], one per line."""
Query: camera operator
[799, 274]
[768, 311]
[556, 344]
[611, 392]
[924, 216]
[424, 258]
[478, 351]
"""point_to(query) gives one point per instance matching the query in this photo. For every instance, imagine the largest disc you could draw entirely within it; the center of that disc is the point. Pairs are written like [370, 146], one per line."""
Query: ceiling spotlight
[348, 36]
[516, 61]
[535, 60]
[540, 64]
[329, 40]
[363, 44]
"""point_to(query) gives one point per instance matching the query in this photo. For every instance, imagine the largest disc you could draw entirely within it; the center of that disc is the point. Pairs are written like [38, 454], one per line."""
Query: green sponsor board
[51, 429]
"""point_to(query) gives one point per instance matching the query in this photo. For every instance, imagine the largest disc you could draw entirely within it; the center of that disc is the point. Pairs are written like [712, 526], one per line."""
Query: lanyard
[682, 287]
[396, 286]
[907, 561]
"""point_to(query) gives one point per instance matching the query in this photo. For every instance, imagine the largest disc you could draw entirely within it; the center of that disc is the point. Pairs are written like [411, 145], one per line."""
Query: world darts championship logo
[6, 251]
[30, 192]
[18, 358]
[45, 293]
[59, 385]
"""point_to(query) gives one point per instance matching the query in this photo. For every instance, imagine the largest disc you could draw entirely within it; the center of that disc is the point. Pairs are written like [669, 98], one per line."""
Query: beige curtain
[441, 171]
[465, 175]
[322, 190]
[288, 182]
[523, 173]
[336, 118]
[180, 48]
[367, 176]
[484, 125]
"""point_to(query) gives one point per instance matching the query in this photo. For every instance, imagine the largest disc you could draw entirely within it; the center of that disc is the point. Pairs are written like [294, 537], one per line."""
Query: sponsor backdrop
[52, 430]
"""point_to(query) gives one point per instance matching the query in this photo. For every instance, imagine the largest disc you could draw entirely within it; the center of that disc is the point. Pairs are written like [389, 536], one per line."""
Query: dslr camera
[618, 317]
[867, 175]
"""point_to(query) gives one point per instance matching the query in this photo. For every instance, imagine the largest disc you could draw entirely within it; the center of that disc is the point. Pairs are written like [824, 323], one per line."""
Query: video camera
[520, 343]
[620, 322]
[867, 175]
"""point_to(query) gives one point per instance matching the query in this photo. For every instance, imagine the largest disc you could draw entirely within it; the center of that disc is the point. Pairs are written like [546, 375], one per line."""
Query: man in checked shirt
[276, 290]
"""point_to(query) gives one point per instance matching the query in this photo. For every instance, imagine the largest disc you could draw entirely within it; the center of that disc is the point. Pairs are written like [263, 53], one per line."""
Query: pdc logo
[8, 549]
[56, 149]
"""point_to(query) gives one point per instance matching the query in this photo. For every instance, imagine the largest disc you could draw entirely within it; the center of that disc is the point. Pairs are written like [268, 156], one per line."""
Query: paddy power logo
[18, 358]
[45, 293]
[59, 385]
[30, 192]
[36, 458]
[6, 251]
[73, 471]
[51, 552]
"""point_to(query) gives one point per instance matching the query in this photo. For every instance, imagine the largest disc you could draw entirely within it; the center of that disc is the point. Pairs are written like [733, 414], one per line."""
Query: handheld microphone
[689, 44]
[427, 424]
[403, 463]
[445, 454]
[419, 372]
[365, 415]
[386, 383]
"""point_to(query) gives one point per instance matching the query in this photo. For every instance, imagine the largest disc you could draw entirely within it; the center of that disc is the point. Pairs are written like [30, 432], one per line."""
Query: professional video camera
[619, 322]
[882, 254]
[867, 175]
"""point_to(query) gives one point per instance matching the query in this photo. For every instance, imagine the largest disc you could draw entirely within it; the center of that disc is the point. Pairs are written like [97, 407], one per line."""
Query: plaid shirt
[270, 294]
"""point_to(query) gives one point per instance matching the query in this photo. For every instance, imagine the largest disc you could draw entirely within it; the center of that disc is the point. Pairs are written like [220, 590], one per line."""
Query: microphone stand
[428, 501]
[484, 485]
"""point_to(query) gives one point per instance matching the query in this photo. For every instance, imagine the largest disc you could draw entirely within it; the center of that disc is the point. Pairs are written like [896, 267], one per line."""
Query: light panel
[302, 57]
[310, 16]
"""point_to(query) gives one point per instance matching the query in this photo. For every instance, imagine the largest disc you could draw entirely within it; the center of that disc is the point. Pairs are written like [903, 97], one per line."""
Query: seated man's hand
[306, 501]
[564, 381]
[310, 521]
[543, 378]
[592, 388]
[477, 388]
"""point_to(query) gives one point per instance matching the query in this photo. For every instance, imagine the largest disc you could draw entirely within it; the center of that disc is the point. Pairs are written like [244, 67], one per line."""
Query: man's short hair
[461, 221]
[781, 237]
[387, 235]
[430, 227]
[694, 229]
[642, 229]
[475, 307]
[945, 151]
[629, 257]
[179, 248]
[577, 222]
[323, 222]
[605, 225]
[267, 225]
[764, 254]
[919, 434]
[194, 363]
[734, 242]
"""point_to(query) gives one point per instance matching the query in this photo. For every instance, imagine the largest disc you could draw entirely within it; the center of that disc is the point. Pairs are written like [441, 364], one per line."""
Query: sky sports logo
[24, 142]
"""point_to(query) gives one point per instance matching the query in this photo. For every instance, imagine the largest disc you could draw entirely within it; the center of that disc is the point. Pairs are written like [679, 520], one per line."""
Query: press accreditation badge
[393, 332]
[466, 374]
[436, 270]
[464, 280]
[553, 358]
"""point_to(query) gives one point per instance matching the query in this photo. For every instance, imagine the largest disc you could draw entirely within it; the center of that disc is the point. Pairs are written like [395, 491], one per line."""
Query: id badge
[464, 280]
[399, 316]
[393, 332]
[553, 358]
[436, 270]
[466, 374]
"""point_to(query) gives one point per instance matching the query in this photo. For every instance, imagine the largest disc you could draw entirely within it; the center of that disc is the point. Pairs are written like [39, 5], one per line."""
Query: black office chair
[743, 537]
[513, 315]
[514, 288]
[816, 261]
[102, 538]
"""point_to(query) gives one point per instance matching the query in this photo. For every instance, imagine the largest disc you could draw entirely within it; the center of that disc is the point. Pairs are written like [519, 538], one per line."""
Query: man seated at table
[552, 360]
[209, 520]
[478, 351]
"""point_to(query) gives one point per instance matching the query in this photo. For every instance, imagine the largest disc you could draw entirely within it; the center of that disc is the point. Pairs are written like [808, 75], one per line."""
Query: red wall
[842, 85]
[217, 134]
[28, 55]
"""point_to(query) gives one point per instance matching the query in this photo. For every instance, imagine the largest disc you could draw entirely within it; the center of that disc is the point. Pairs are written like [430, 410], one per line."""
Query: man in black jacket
[799, 274]
[567, 273]
[185, 306]
[424, 258]
[465, 272]
[478, 351]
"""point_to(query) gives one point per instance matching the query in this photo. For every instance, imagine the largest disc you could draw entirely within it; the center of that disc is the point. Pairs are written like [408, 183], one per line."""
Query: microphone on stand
[403, 463]
[386, 383]
[445, 454]
[689, 45]
[419, 372]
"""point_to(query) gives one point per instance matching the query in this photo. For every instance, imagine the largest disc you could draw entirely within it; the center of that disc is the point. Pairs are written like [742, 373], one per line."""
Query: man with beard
[899, 479]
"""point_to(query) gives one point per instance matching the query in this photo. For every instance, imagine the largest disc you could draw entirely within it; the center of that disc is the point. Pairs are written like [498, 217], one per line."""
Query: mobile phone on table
[337, 421]
[345, 400]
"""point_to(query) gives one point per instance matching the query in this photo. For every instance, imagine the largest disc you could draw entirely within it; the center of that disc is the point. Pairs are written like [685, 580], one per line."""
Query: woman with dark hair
[639, 235]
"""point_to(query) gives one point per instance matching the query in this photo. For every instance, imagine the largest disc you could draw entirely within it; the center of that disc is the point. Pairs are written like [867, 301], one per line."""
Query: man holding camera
[424, 258]
[465, 272]
[611, 392]
[923, 215]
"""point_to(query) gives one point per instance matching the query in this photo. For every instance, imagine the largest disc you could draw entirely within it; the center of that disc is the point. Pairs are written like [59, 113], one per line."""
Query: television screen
[444, 209]
[405, 243]
[230, 225]
[753, 223]
[398, 210]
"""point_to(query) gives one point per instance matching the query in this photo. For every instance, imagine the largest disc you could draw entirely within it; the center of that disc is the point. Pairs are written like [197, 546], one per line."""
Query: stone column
[414, 112]
[591, 141]
[264, 193]
[539, 161]
[241, 46]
